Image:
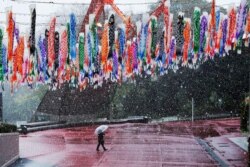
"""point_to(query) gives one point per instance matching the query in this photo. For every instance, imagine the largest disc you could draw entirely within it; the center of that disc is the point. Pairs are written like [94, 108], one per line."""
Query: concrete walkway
[134, 145]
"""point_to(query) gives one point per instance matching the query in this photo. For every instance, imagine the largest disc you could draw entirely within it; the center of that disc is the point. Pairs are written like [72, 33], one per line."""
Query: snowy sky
[18, 6]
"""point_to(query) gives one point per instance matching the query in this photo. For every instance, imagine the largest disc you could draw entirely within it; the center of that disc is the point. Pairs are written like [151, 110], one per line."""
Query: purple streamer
[203, 30]
[135, 62]
[242, 13]
[115, 63]
[224, 36]
[43, 54]
[16, 33]
[172, 49]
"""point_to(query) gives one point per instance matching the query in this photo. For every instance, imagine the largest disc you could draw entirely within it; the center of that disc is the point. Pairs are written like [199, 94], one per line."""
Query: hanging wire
[82, 4]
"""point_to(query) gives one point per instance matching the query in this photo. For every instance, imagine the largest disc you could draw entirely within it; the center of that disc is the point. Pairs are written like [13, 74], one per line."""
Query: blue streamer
[217, 15]
[115, 64]
[122, 41]
[144, 32]
[42, 57]
[72, 37]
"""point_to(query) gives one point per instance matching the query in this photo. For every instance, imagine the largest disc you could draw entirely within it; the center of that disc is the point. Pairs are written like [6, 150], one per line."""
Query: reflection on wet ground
[135, 145]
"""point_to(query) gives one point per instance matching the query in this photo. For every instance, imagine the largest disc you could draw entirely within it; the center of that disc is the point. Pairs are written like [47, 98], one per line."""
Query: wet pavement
[136, 145]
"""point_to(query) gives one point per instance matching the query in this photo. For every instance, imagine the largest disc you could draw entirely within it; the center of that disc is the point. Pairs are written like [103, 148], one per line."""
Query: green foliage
[218, 87]
[7, 128]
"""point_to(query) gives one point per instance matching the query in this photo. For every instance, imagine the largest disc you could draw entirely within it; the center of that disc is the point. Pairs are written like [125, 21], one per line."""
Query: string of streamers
[58, 59]
[72, 37]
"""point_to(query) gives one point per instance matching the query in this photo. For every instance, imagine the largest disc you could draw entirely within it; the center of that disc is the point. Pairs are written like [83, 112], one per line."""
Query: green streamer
[81, 52]
[196, 28]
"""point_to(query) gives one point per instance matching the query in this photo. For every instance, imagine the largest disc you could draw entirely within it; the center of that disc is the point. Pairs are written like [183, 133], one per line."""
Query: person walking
[101, 141]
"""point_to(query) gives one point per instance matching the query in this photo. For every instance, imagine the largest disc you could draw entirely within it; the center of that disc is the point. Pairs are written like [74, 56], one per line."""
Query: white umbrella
[101, 129]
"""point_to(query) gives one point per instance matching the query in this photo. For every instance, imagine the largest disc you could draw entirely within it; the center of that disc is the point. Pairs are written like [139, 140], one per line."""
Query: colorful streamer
[33, 32]
[196, 29]
[186, 35]
[72, 37]
[231, 28]
[57, 41]
[241, 17]
[224, 35]
[203, 30]
[51, 45]
[81, 51]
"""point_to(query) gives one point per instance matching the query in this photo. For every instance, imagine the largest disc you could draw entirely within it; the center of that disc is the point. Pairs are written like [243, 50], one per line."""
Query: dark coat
[101, 137]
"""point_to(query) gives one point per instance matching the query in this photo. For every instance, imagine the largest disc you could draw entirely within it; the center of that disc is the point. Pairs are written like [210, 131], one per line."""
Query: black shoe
[105, 149]
[97, 150]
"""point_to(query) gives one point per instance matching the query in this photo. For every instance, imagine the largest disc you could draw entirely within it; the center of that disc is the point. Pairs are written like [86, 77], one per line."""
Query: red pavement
[135, 145]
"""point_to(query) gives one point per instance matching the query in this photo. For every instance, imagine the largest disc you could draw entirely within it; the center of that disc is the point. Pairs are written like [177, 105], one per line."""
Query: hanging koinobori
[110, 53]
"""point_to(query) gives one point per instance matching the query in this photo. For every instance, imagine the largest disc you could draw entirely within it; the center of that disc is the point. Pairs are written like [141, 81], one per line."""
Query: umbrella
[101, 129]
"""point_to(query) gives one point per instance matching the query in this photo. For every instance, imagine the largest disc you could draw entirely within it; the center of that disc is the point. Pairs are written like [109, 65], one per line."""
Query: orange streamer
[129, 58]
[232, 24]
[105, 48]
[10, 31]
[186, 35]
[51, 43]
